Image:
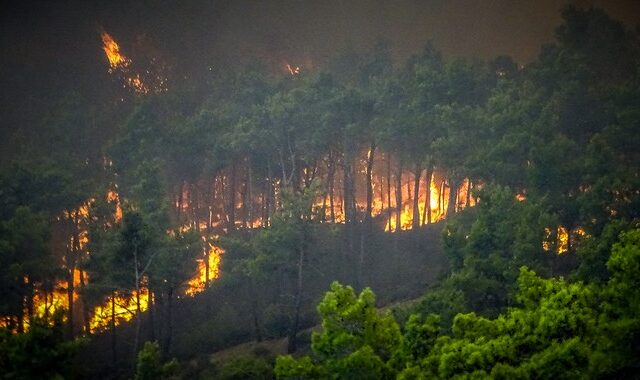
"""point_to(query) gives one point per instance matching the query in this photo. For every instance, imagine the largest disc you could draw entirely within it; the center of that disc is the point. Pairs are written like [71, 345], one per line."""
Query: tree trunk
[453, 196]
[399, 197]
[426, 212]
[370, 159]
[169, 322]
[348, 202]
[136, 341]
[269, 194]
[70, 300]
[151, 322]
[330, 180]
[180, 192]
[468, 200]
[389, 211]
[249, 197]
[415, 220]
[231, 212]
[254, 311]
[441, 198]
[114, 350]
[292, 340]
[85, 308]
[138, 316]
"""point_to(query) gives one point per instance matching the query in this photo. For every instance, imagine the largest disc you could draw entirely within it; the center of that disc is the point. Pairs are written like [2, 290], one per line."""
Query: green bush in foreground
[561, 330]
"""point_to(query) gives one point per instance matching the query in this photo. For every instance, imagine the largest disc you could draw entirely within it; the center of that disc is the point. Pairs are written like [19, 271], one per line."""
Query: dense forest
[238, 227]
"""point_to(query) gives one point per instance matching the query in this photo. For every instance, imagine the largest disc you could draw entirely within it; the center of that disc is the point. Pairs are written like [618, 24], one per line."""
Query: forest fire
[117, 309]
[562, 239]
[57, 298]
[233, 201]
[314, 167]
[206, 272]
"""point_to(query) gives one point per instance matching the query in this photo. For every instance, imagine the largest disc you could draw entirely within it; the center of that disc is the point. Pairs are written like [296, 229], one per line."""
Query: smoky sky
[48, 47]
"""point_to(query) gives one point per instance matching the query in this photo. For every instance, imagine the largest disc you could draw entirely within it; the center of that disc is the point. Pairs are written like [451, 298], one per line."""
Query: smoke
[48, 48]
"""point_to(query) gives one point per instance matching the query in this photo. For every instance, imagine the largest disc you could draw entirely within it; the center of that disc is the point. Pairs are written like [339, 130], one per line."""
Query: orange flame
[199, 283]
[561, 239]
[123, 306]
[119, 63]
[114, 197]
[111, 48]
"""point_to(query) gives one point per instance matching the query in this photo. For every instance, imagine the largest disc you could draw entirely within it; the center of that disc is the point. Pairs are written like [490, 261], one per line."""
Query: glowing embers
[293, 70]
[119, 308]
[205, 274]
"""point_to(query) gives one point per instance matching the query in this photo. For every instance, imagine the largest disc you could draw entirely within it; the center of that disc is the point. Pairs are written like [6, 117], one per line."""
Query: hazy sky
[48, 46]
[66, 30]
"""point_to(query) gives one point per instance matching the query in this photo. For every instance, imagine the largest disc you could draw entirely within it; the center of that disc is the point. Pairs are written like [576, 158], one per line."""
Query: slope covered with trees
[525, 179]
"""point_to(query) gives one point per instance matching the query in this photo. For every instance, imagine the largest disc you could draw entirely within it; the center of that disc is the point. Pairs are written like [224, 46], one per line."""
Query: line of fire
[379, 190]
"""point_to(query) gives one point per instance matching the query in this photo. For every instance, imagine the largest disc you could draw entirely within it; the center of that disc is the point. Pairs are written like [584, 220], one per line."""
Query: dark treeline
[112, 204]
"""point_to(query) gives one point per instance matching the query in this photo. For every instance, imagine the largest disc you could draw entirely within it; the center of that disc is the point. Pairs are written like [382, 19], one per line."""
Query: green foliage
[563, 132]
[149, 364]
[559, 329]
[245, 368]
[355, 342]
[41, 352]
[350, 322]
[486, 246]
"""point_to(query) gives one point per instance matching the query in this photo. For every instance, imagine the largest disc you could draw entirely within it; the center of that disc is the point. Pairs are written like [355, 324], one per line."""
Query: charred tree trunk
[180, 192]
[138, 314]
[468, 200]
[249, 197]
[426, 212]
[21, 319]
[136, 341]
[269, 196]
[231, 211]
[194, 204]
[389, 212]
[370, 160]
[114, 348]
[415, 220]
[346, 189]
[70, 300]
[453, 196]
[85, 308]
[243, 198]
[441, 198]
[399, 197]
[330, 180]
[151, 321]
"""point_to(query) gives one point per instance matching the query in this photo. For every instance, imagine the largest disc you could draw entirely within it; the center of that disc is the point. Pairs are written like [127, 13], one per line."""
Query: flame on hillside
[114, 198]
[117, 61]
[199, 283]
[150, 81]
[560, 239]
[123, 306]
